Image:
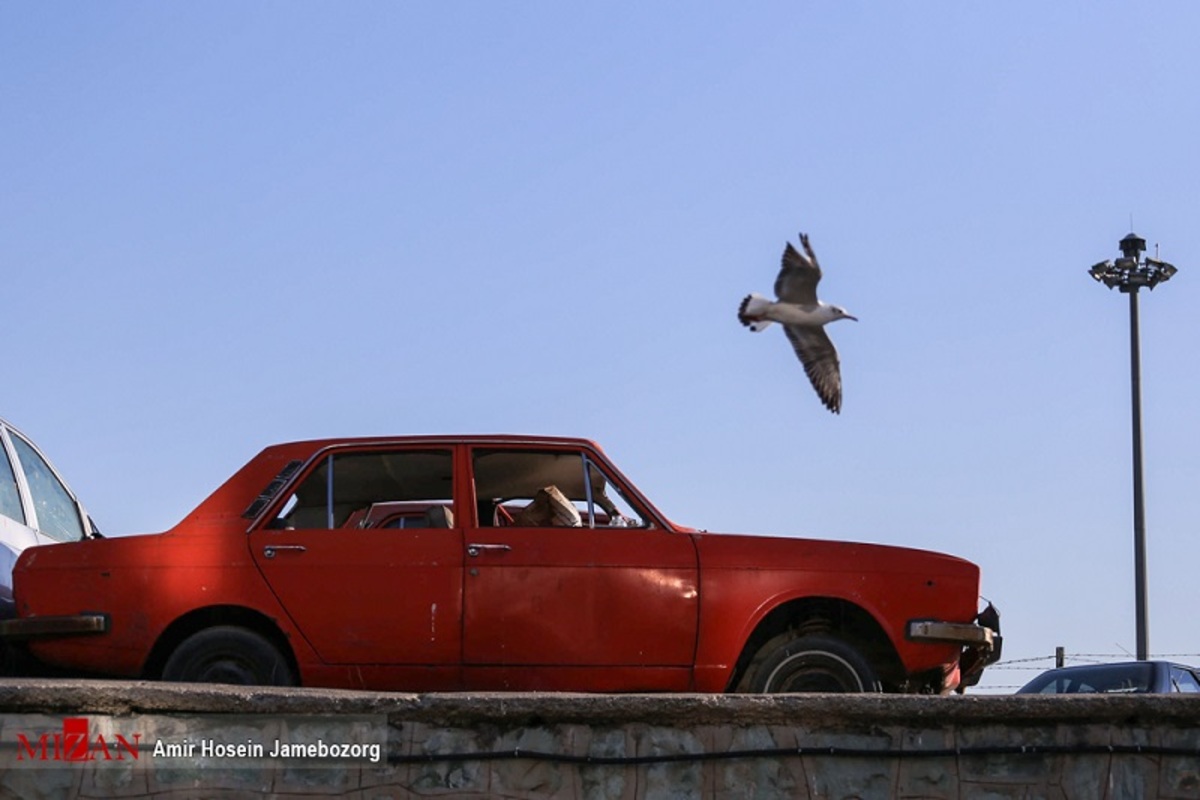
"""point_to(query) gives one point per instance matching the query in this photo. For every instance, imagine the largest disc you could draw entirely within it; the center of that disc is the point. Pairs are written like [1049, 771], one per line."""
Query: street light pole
[1139, 504]
[1129, 274]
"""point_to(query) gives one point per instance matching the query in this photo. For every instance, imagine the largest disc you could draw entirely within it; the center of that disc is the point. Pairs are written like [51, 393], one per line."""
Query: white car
[36, 507]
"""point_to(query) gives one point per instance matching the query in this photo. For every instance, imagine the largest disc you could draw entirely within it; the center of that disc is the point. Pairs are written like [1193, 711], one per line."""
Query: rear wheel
[228, 654]
[816, 663]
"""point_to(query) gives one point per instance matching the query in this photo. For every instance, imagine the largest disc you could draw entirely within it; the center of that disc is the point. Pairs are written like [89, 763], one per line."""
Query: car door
[359, 590]
[604, 600]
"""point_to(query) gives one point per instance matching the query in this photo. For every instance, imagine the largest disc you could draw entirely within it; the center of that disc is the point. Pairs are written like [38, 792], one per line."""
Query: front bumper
[981, 641]
[54, 627]
[967, 634]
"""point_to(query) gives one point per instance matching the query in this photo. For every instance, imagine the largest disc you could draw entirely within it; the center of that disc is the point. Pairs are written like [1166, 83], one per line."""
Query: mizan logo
[75, 742]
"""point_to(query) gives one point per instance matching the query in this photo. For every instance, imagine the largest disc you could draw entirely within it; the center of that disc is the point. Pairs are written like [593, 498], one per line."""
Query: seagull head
[841, 313]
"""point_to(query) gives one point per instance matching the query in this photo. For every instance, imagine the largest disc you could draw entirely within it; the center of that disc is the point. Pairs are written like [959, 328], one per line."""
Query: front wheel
[811, 664]
[228, 654]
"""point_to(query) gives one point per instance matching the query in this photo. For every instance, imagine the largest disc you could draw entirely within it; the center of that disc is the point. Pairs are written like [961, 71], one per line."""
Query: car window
[10, 499]
[57, 512]
[373, 490]
[1182, 680]
[1102, 678]
[534, 488]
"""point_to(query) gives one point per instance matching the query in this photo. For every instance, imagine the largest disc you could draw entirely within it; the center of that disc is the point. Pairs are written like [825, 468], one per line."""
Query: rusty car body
[439, 563]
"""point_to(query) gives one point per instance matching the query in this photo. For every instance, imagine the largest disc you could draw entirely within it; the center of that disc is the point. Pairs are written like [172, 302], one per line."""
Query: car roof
[273, 461]
[441, 438]
[1117, 664]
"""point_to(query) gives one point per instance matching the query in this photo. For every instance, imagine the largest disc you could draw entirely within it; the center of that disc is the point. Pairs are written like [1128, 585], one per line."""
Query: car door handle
[475, 549]
[270, 550]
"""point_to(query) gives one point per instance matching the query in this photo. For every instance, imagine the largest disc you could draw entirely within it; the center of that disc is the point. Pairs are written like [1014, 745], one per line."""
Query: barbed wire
[1050, 661]
[1101, 658]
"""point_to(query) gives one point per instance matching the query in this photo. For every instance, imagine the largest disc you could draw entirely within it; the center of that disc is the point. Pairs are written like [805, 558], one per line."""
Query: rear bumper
[54, 626]
[981, 641]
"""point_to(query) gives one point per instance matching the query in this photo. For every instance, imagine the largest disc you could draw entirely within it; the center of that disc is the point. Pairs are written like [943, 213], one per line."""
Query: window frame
[589, 464]
[283, 489]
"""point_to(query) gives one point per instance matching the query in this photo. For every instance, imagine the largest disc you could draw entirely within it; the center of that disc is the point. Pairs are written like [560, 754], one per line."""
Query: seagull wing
[798, 276]
[820, 360]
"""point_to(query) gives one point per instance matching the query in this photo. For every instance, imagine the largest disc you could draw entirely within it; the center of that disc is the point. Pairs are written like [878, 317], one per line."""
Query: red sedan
[490, 563]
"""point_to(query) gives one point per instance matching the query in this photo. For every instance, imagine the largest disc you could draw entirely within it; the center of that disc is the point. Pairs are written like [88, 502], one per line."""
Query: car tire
[815, 663]
[228, 654]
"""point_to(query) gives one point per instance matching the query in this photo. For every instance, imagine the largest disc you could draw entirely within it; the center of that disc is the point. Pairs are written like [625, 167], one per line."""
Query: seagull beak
[848, 316]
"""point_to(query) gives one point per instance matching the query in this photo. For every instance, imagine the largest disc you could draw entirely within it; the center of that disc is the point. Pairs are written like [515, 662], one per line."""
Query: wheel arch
[831, 616]
[198, 619]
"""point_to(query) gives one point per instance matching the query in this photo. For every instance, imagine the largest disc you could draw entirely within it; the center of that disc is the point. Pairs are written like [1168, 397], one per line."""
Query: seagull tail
[752, 310]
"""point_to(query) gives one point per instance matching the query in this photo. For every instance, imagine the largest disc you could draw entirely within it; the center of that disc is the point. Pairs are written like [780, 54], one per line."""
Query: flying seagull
[803, 317]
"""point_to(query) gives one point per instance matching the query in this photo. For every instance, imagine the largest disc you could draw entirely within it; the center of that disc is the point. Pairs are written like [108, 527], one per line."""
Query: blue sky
[224, 225]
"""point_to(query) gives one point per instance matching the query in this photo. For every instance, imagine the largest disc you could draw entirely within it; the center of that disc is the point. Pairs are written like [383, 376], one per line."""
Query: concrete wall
[588, 746]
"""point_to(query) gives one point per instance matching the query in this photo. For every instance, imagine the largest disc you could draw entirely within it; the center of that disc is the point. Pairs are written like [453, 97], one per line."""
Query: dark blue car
[1129, 677]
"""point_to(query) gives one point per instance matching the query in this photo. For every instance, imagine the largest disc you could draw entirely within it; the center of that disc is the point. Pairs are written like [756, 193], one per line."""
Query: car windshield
[57, 513]
[1101, 678]
[10, 498]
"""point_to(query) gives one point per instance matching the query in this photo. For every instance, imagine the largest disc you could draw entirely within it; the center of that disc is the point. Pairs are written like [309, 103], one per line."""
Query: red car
[490, 563]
